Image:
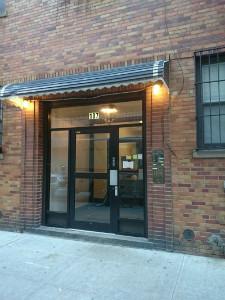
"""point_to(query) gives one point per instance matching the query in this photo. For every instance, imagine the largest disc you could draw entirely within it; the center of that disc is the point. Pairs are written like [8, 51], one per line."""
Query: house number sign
[94, 116]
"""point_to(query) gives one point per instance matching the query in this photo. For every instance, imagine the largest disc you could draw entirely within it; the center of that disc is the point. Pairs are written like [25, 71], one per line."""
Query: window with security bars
[210, 92]
[1, 125]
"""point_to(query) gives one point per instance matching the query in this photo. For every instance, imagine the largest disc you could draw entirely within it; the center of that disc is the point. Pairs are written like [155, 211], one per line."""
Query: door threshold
[93, 236]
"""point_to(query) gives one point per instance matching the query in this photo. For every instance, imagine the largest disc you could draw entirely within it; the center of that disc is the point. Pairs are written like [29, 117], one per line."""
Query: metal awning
[116, 77]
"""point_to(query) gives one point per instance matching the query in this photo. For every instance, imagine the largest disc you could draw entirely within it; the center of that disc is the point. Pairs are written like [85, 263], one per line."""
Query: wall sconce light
[20, 102]
[156, 88]
[26, 104]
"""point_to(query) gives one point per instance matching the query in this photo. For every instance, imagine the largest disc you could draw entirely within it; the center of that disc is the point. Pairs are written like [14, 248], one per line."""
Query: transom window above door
[210, 92]
[97, 114]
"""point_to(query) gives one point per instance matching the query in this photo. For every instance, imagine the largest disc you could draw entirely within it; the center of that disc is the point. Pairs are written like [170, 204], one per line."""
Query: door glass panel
[91, 191]
[97, 114]
[131, 185]
[92, 152]
[59, 171]
[91, 200]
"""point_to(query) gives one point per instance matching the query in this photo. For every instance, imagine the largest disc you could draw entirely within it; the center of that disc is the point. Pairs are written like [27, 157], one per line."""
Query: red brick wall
[10, 168]
[39, 38]
[21, 169]
[198, 193]
[160, 205]
[32, 166]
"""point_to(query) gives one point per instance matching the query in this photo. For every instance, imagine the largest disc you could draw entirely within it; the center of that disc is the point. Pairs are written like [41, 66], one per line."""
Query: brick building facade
[43, 39]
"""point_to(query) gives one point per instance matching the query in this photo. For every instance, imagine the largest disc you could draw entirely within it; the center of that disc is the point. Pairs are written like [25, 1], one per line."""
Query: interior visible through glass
[91, 192]
[92, 152]
[93, 155]
[59, 171]
[91, 201]
[131, 184]
[98, 114]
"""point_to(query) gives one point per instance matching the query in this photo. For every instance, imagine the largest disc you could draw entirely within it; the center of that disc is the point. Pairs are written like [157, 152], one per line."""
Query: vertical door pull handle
[113, 162]
[116, 191]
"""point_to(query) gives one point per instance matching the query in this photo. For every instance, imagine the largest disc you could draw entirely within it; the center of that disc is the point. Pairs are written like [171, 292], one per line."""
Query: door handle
[116, 191]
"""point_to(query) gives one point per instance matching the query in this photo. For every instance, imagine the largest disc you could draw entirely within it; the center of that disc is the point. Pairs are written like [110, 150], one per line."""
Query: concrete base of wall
[91, 236]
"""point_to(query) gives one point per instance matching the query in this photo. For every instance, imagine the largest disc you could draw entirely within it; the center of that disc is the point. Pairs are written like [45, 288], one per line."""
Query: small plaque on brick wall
[158, 166]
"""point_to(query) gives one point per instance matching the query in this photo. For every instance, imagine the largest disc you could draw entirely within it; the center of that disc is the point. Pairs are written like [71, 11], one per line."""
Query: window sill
[218, 153]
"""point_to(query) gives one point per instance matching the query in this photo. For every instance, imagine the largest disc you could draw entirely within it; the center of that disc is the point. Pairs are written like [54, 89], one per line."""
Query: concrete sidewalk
[41, 267]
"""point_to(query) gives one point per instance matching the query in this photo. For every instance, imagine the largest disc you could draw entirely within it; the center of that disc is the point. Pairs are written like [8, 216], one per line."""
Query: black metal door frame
[112, 226]
[63, 219]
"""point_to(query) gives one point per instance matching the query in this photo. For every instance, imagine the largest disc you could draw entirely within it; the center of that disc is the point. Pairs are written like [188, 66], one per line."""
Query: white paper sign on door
[128, 164]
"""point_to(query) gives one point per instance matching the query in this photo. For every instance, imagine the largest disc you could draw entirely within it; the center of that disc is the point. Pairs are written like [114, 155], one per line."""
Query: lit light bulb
[26, 104]
[20, 102]
[156, 89]
[109, 110]
[16, 101]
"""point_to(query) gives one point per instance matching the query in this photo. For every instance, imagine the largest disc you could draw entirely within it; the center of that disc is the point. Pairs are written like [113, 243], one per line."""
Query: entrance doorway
[96, 171]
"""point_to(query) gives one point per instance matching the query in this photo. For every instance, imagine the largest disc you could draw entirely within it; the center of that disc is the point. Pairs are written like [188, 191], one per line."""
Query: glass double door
[106, 186]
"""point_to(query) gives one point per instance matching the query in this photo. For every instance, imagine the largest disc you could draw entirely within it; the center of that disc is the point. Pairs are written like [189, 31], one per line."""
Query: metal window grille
[210, 96]
[1, 124]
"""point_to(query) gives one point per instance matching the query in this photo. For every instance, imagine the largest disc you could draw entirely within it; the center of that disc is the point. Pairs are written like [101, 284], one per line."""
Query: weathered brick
[44, 38]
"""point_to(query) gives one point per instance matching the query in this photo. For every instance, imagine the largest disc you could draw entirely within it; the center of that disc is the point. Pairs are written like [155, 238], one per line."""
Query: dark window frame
[208, 57]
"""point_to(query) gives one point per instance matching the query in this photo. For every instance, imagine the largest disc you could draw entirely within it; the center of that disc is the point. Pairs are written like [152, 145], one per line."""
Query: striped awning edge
[115, 77]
